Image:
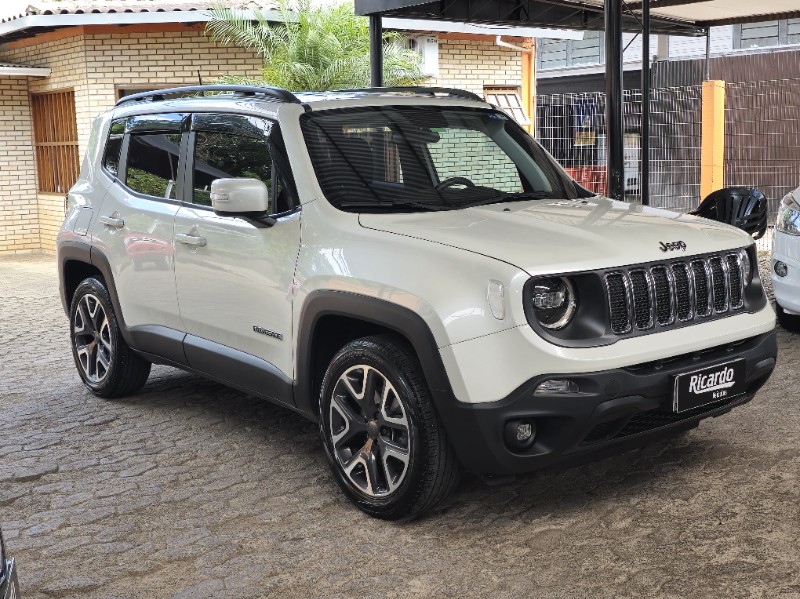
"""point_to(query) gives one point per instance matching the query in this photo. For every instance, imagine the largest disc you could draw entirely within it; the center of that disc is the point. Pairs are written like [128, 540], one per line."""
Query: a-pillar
[712, 145]
[529, 83]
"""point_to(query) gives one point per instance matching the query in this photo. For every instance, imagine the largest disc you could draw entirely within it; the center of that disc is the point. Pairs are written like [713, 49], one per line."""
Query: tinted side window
[152, 167]
[222, 155]
[113, 146]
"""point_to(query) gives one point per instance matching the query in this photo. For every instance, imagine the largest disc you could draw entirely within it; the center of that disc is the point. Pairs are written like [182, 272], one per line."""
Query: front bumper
[616, 410]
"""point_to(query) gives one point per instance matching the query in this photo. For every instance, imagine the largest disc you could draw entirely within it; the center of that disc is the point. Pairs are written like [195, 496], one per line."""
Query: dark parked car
[9, 587]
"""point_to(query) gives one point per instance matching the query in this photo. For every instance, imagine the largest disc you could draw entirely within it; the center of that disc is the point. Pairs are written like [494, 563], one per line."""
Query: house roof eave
[22, 70]
[29, 25]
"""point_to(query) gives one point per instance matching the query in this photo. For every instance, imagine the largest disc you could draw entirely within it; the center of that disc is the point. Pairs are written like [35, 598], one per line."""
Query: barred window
[507, 100]
[55, 136]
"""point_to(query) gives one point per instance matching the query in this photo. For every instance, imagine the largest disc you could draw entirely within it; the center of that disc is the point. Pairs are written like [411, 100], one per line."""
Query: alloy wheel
[369, 431]
[91, 336]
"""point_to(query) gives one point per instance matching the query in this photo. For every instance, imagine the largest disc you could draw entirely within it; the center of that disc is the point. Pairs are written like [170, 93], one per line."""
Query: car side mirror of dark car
[742, 207]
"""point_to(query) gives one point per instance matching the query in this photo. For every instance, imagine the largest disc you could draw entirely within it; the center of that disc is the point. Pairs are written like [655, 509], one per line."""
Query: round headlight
[788, 220]
[554, 302]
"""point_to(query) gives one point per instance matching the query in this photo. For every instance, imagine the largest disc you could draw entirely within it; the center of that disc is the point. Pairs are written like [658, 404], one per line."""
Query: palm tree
[314, 48]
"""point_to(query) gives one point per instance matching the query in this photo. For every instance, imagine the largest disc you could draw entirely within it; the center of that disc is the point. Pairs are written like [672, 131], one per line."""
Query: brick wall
[465, 152]
[19, 219]
[471, 64]
[163, 58]
[94, 65]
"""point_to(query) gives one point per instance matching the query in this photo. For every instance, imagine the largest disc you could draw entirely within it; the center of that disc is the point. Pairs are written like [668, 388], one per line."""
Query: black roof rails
[428, 91]
[157, 95]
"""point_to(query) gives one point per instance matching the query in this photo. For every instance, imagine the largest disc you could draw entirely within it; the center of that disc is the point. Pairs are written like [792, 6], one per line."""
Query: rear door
[233, 274]
[144, 157]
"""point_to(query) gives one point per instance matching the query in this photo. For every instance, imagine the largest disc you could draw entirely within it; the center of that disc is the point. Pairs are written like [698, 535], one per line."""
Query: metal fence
[572, 128]
[762, 137]
[762, 140]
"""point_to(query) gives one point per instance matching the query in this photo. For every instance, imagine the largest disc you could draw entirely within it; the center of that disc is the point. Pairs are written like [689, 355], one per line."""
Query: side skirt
[215, 361]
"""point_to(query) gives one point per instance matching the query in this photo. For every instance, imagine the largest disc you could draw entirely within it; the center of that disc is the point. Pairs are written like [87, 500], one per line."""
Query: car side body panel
[236, 290]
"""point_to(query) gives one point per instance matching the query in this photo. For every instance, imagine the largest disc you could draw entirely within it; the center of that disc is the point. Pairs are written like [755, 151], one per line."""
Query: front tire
[384, 442]
[790, 322]
[107, 366]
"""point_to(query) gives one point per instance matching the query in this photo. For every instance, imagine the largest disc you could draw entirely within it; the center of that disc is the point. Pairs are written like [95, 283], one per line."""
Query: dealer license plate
[708, 385]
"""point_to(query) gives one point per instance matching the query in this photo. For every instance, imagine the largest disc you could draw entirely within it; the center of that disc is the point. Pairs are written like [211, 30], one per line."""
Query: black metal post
[644, 184]
[615, 139]
[708, 54]
[376, 50]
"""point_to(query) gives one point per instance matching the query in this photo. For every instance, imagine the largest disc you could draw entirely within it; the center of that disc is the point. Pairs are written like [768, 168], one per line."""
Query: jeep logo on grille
[671, 246]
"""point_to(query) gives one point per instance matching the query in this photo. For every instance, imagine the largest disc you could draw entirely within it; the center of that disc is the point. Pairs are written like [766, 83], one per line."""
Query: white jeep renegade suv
[410, 269]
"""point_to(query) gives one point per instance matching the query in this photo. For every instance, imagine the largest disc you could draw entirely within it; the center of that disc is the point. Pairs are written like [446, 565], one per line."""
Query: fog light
[780, 268]
[555, 387]
[520, 434]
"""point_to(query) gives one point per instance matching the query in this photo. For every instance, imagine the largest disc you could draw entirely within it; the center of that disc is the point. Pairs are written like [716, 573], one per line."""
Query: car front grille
[676, 292]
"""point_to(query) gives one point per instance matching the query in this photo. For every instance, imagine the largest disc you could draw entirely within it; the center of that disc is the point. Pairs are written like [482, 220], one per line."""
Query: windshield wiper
[382, 205]
[509, 197]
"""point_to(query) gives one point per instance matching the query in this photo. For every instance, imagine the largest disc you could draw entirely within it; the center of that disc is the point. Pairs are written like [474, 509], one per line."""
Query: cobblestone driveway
[192, 490]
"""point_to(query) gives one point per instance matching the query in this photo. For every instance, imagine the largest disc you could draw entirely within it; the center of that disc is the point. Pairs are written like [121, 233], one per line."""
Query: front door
[234, 274]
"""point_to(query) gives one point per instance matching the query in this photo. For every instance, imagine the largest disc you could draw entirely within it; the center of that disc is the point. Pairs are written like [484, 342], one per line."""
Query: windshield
[392, 158]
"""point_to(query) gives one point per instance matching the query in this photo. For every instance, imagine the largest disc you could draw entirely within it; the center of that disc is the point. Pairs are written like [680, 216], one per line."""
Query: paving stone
[191, 489]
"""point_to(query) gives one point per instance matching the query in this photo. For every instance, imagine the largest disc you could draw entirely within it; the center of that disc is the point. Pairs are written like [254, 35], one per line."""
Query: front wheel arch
[330, 319]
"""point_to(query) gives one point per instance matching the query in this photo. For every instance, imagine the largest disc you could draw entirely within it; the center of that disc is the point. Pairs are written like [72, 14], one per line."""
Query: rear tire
[384, 442]
[790, 322]
[105, 363]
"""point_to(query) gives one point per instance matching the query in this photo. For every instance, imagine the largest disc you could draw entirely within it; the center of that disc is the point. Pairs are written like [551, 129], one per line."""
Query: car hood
[549, 236]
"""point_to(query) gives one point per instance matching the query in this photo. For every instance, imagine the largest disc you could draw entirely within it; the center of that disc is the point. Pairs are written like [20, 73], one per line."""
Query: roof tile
[67, 7]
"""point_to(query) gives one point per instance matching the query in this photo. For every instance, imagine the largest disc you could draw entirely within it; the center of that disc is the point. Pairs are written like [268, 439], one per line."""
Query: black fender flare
[403, 321]
[79, 251]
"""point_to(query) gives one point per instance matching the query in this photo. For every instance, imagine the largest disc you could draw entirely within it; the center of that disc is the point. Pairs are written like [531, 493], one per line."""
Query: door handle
[194, 240]
[117, 223]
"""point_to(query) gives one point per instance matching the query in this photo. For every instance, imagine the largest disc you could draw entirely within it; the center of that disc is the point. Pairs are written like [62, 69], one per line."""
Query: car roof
[267, 99]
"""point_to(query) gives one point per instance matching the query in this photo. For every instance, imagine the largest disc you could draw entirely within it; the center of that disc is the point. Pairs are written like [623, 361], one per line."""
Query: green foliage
[148, 183]
[314, 48]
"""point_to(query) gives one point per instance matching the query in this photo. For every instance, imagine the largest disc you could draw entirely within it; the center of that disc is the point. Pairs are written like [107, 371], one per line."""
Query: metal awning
[681, 17]
[678, 17]
[710, 13]
[566, 14]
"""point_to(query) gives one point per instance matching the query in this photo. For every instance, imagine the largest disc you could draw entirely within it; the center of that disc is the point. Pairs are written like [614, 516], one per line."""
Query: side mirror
[239, 196]
[742, 207]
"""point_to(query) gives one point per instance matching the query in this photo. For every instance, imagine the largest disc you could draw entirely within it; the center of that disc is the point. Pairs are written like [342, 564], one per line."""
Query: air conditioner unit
[428, 48]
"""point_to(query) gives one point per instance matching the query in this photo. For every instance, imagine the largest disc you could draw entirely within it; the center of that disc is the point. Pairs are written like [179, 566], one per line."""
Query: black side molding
[70, 251]
[238, 369]
[83, 252]
[162, 343]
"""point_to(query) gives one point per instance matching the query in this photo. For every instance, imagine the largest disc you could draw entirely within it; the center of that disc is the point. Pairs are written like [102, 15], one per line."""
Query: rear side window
[152, 165]
[113, 147]
[223, 155]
